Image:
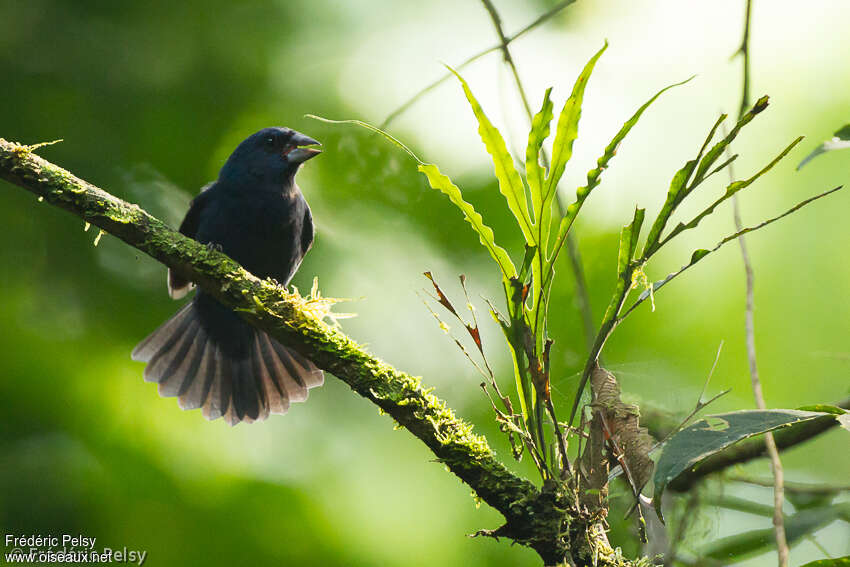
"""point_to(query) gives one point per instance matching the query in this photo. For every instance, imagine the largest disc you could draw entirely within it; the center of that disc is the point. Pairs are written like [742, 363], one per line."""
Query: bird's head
[272, 155]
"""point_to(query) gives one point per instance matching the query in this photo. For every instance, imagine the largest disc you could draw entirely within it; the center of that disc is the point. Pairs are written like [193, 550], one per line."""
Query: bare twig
[769, 440]
[412, 100]
[268, 306]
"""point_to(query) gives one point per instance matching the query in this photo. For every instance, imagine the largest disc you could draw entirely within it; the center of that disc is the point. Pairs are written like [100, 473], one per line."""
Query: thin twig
[506, 53]
[770, 441]
[412, 100]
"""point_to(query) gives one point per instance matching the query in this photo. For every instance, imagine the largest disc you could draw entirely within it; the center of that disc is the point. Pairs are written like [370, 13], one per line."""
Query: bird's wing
[178, 286]
[307, 231]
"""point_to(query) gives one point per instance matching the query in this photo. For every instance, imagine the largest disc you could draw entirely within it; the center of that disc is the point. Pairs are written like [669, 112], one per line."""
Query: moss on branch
[272, 308]
[534, 518]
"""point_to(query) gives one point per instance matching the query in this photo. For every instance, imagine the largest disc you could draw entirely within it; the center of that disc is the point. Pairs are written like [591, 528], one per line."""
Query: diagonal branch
[540, 519]
[271, 308]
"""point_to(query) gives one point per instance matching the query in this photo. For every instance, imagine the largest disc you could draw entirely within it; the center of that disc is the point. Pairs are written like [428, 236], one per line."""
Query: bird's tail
[187, 362]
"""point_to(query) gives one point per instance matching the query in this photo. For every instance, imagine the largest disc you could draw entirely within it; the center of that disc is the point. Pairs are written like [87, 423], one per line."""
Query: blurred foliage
[150, 97]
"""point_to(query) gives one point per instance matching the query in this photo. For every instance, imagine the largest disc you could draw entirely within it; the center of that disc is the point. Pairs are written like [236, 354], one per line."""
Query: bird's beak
[298, 153]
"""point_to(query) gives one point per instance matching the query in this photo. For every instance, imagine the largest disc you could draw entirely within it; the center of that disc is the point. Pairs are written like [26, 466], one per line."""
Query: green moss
[542, 520]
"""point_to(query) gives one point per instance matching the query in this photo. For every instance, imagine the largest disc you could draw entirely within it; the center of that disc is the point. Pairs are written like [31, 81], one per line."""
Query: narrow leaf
[389, 137]
[510, 183]
[711, 434]
[731, 189]
[702, 252]
[677, 186]
[839, 141]
[534, 172]
[442, 183]
[677, 192]
[567, 129]
[628, 240]
[717, 150]
[594, 175]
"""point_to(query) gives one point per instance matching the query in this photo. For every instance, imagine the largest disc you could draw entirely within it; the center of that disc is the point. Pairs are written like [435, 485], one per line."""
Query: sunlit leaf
[731, 190]
[510, 182]
[717, 150]
[839, 141]
[628, 240]
[594, 175]
[700, 168]
[702, 252]
[629, 235]
[710, 435]
[442, 183]
[534, 172]
[567, 130]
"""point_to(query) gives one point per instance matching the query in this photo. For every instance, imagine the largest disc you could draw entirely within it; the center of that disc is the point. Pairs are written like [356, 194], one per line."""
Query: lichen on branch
[533, 517]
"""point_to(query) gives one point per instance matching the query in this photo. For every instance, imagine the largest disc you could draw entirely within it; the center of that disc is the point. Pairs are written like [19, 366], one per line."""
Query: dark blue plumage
[206, 354]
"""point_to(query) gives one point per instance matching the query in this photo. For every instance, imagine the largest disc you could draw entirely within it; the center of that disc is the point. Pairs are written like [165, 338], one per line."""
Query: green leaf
[629, 239]
[534, 172]
[594, 175]
[628, 242]
[741, 546]
[717, 150]
[839, 141]
[731, 189]
[837, 562]
[677, 192]
[710, 435]
[567, 129]
[389, 137]
[442, 183]
[700, 168]
[677, 186]
[699, 254]
[510, 183]
[611, 149]
[702, 252]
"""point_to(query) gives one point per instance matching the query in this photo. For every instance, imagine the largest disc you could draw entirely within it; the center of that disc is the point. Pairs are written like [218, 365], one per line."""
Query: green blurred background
[150, 97]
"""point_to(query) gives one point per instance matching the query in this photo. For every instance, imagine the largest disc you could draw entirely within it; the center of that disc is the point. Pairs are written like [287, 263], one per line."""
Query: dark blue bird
[206, 355]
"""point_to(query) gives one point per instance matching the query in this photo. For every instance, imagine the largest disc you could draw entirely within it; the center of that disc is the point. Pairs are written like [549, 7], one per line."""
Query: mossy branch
[270, 307]
[534, 518]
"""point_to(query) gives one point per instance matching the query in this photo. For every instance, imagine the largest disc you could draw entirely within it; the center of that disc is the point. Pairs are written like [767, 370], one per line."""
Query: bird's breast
[262, 233]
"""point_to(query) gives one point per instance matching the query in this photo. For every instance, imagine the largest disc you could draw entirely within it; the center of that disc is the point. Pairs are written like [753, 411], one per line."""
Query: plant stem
[769, 440]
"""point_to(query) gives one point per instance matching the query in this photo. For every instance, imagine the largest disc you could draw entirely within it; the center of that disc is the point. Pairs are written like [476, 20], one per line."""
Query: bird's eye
[270, 141]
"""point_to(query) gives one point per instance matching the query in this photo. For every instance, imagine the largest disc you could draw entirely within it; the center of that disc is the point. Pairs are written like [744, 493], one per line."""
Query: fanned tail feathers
[185, 362]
